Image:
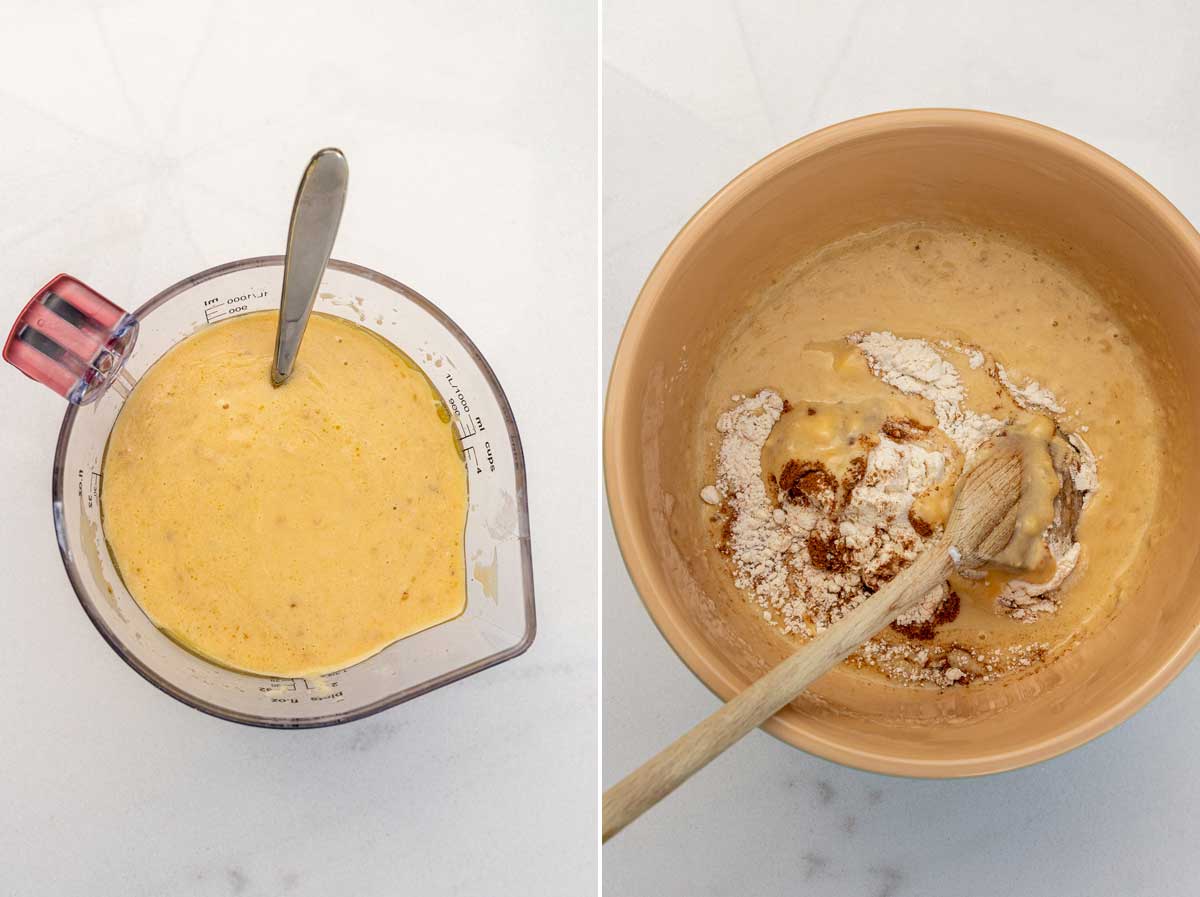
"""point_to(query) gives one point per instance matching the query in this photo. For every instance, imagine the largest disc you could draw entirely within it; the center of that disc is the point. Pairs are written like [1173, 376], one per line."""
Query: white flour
[1026, 600]
[1032, 396]
[975, 358]
[758, 544]
[1087, 478]
[914, 367]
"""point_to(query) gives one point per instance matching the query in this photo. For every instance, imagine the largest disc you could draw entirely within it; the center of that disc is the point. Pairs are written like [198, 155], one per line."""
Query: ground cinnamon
[902, 429]
[807, 482]
[924, 530]
[876, 578]
[853, 476]
[728, 515]
[946, 612]
[829, 552]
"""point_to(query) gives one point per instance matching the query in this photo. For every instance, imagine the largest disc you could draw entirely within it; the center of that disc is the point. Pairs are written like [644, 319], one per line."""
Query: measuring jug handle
[72, 339]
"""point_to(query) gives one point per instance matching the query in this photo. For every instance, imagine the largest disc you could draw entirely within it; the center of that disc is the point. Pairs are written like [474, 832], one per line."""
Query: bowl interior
[1066, 198]
[498, 622]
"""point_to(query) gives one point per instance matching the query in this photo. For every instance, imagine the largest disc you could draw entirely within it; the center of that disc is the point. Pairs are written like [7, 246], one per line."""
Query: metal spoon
[316, 215]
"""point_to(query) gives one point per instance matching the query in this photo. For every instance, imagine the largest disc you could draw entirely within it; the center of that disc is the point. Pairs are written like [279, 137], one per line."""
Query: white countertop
[696, 91]
[141, 146]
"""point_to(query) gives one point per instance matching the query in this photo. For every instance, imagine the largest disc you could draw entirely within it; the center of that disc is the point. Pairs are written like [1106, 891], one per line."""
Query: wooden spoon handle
[671, 767]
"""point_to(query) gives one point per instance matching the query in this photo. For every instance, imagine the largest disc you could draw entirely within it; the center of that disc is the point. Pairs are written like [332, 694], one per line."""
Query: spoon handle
[671, 767]
[316, 215]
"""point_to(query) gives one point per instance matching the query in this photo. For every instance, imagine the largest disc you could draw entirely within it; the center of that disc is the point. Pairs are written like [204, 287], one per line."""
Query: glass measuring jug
[90, 351]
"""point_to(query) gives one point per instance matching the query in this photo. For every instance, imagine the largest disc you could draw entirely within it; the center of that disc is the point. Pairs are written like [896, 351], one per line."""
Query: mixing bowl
[68, 325]
[1066, 198]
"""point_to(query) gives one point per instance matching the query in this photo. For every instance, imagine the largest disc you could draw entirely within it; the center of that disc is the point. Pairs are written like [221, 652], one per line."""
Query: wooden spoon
[980, 526]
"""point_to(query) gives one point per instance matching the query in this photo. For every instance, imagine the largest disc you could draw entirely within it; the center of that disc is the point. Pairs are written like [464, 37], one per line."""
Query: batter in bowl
[290, 531]
[847, 402]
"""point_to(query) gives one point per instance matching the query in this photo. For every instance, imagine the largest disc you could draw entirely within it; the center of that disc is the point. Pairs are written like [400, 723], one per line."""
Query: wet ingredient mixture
[847, 405]
[290, 531]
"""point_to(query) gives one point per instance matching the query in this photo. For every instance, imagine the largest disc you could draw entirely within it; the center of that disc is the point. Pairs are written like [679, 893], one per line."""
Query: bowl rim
[521, 497]
[635, 546]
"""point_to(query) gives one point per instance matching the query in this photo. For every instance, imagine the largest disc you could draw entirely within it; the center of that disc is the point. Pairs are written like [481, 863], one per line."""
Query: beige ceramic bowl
[1073, 201]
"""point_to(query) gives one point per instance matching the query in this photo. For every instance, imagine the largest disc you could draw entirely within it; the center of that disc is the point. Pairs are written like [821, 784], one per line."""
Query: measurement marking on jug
[93, 492]
[470, 454]
[325, 682]
[468, 426]
[320, 688]
[275, 691]
[217, 309]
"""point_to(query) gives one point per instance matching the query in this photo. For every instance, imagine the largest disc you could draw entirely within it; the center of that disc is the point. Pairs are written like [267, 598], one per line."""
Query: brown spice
[880, 576]
[828, 552]
[812, 411]
[807, 482]
[787, 406]
[924, 530]
[725, 541]
[922, 632]
[903, 429]
[854, 475]
[946, 612]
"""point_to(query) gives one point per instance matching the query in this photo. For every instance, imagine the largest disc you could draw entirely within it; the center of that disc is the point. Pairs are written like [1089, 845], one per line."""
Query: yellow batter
[289, 531]
[976, 289]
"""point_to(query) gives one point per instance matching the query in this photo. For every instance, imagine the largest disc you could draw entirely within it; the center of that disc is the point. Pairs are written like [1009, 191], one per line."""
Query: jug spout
[72, 339]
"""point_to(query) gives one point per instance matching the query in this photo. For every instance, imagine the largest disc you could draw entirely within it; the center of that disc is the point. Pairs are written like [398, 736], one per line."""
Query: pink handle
[72, 339]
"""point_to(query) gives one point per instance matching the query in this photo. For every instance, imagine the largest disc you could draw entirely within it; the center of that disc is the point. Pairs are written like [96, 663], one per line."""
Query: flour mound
[810, 555]
[915, 367]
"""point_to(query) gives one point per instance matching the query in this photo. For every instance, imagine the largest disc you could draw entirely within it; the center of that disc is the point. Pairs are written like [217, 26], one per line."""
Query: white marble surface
[693, 93]
[144, 141]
